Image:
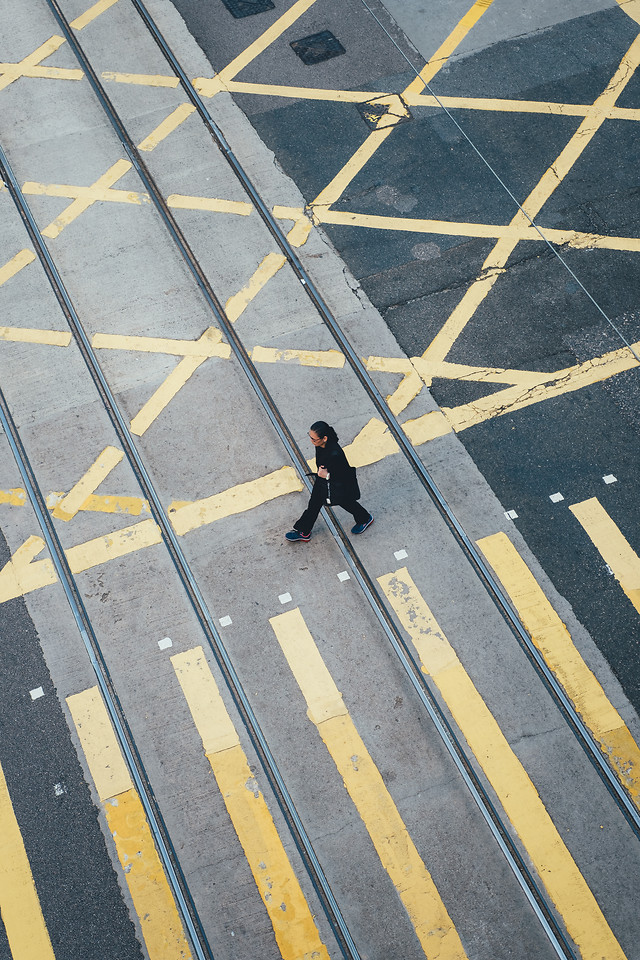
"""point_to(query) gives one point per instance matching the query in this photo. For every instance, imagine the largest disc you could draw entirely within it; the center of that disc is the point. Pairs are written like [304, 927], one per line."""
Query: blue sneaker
[361, 527]
[294, 535]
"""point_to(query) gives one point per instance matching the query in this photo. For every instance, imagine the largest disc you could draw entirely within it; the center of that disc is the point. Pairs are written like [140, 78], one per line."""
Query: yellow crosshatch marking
[507, 236]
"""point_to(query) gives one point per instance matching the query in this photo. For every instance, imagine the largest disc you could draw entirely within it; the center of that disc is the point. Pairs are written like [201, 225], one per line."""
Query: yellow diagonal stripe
[293, 925]
[104, 464]
[416, 889]
[445, 49]
[244, 496]
[554, 642]
[612, 546]
[16, 264]
[266, 269]
[22, 917]
[152, 899]
[556, 868]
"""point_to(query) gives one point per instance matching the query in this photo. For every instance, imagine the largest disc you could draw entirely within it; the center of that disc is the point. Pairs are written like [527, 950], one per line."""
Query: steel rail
[474, 555]
[166, 850]
[453, 745]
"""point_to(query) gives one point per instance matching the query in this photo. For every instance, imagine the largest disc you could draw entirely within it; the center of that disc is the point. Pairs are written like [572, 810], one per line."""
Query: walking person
[335, 484]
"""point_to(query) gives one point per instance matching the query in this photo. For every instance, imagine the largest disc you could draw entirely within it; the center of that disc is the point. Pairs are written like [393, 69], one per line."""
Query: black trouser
[318, 500]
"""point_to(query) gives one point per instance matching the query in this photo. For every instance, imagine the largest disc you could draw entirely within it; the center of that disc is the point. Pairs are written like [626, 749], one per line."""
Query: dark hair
[324, 430]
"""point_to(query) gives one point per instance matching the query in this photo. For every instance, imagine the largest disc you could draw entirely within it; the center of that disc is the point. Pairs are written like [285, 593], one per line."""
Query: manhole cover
[317, 47]
[247, 8]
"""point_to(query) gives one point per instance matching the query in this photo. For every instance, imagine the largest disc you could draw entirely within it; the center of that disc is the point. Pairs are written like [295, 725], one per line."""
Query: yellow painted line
[334, 190]
[556, 868]
[87, 485]
[85, 198]
[13, 71]
[238, 207]
[550, 180]
[165, 393]
[300, 231]
[550, 385]
[265, 40]
[395, 848]
[22, 917]
[22, 573]
[511, 231]
[168, 125]
[546, 107]
[103, 503]
[445, 50]
[203, 347]
[373, 443]
[333, 359]
[408, 388]
[52, 338]
[49, 73]
[631, 8]
[238, 499]
[267, 269]
[554, 642]
[304, 93]
[152, 899]
[612, 546]
[427, 427]
[91, 14]
[16, 264]
[16, 497]
[144, 79]
[174, 382]
[293, 925]
[94, 193]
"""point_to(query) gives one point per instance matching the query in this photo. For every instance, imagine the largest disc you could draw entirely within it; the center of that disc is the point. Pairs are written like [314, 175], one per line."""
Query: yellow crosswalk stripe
[556, 868]
[326, 709]
[612, 546]
[293, 924]
[22, 917]
[152, 899]
[554, 642]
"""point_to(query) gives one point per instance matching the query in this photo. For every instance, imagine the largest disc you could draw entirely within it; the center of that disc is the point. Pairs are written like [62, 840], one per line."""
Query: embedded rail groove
[463, 763]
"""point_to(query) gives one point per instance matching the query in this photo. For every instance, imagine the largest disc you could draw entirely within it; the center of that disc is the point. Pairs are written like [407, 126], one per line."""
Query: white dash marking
[610, 478]
[165, 643]
[36, 693]
[511, 515]
[343, 576]
[400, 554]
[556, 497]
[225, 621]
[285, 598]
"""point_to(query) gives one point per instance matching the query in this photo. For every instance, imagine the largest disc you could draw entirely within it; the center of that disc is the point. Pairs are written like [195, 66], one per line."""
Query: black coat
[342, 484]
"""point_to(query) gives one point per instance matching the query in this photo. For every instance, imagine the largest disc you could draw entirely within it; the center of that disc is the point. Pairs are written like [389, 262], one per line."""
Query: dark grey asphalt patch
[79, 894]
[247, 8]
[317, 47]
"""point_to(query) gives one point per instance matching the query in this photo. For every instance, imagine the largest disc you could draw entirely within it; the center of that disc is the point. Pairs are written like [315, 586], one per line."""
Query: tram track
[462, 762]
[471, 552]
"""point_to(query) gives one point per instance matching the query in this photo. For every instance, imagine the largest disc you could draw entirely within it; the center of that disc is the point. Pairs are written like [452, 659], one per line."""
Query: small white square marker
[556, 497]
[401, 554]
[225, 621]
[285, 598]
[165, 643]
[59, 789]
[36, 693]
[343, 576]
[610, 478]
[511, 515]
